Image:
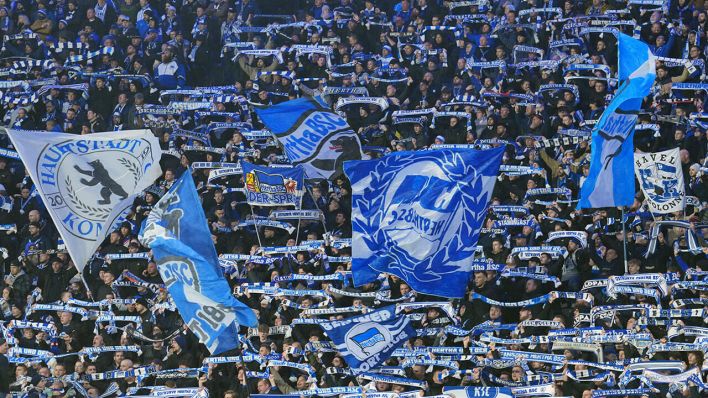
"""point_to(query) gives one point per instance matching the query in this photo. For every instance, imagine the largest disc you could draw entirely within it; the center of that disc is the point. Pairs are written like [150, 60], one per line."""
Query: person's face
[340, 218]
[572, 246]
[65, 318]
[611, 254]
[494, 312]
[496, 246]
[390, 91]
[480, 278]
[126, 364]
[118, 357]
[263, 387]
[404, 289]
[107, 278]
[381, 386]
[631, 323]
[419, 372]
[33, 230]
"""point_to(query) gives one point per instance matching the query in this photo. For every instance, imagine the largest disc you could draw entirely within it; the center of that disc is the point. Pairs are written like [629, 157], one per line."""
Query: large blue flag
[367, 340]
[417, 215]
[177, 232]
[270, 186]
[610, 182]
[312, 135]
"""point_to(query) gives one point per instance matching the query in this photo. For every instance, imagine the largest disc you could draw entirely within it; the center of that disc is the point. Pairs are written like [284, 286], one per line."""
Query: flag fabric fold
[177, 232]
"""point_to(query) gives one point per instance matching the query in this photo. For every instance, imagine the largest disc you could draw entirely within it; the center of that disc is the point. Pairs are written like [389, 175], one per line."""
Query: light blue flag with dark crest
[178, 234]
[610, 182]
[417, 215]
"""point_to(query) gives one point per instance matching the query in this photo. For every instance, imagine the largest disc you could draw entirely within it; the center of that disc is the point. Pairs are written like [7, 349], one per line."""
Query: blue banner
[176, 230]
[611, 163]
[418, 215]
[312, 135]
[367, 340]
[268, 186]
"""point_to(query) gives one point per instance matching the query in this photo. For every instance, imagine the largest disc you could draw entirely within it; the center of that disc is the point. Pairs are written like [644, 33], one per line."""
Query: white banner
[88, 183]
[661, 178]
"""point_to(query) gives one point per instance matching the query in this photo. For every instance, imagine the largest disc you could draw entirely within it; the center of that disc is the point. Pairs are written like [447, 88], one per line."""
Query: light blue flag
[367, 340]
[417, 215]
[312, 135]
[270, 186]
[610, 182]
[177, 232]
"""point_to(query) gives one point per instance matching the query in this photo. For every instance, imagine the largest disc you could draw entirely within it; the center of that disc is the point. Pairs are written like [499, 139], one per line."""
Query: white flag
[661, 178]
[88, 182]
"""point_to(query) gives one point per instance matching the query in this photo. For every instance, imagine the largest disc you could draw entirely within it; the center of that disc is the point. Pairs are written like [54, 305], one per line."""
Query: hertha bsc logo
[84, 181]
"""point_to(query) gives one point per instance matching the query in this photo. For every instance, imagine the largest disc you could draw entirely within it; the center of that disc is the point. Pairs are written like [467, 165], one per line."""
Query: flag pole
[255, 224]
[245, 371]
[297, 234]
[624, 241]
[89, 294]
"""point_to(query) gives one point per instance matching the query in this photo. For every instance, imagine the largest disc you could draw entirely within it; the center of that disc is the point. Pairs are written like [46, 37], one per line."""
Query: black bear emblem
[100, 175]
[171, 219]
[348, 148]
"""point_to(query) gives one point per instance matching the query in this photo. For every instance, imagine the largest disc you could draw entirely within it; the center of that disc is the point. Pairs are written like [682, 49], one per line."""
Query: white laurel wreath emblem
[462, 244]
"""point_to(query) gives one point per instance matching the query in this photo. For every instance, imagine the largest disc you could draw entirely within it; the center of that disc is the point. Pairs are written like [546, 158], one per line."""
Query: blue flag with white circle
[417, 215]
[367, 340]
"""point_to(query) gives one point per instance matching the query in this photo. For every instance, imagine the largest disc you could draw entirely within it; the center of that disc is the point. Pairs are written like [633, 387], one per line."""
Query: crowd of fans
[531, 75]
